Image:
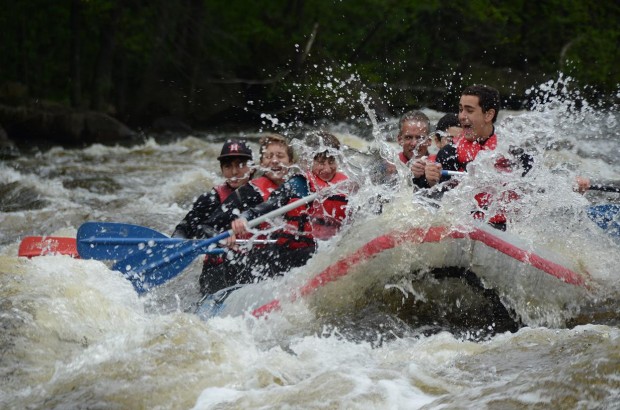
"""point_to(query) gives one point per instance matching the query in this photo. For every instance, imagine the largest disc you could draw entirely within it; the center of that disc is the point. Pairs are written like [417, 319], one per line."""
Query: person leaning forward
[276, 158]
[235, 163]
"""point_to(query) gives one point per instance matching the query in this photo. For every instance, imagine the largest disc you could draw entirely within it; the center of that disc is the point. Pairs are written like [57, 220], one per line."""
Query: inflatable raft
[541, 287]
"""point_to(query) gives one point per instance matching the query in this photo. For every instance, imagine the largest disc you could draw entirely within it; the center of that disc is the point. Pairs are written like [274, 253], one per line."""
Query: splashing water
[75, 334]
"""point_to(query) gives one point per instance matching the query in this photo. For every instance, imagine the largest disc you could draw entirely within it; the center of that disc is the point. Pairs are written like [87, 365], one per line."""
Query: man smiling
[414, 127]
[478, 109]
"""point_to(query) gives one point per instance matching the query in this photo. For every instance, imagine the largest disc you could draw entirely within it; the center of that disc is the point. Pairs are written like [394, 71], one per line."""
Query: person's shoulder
[297, 183]
[205, 196]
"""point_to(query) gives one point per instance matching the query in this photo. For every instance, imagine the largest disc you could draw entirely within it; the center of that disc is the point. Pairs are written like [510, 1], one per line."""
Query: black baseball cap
[235, 148]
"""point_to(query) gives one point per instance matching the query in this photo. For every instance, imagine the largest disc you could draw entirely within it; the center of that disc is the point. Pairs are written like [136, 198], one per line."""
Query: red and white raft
[543, 287]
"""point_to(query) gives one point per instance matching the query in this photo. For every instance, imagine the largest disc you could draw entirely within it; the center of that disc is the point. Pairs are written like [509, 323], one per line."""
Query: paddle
[111, 240]
[152, 265]
[114, 241]
[452, 173]
[47, 245]
[606, 186]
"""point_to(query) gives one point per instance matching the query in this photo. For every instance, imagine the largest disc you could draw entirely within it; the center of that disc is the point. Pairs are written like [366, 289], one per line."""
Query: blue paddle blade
[607, 217]
[111, 240]
[153, 265]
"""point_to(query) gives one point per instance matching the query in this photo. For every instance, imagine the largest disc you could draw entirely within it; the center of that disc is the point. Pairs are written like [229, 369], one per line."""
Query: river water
[76, 335]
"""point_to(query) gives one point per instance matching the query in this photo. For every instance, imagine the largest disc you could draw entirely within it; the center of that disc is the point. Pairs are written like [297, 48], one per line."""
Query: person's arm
[194, 226]
[524, 160]
[295, 187]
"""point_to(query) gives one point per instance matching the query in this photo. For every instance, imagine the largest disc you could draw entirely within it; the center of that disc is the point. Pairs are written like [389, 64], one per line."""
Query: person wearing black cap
[235, 163]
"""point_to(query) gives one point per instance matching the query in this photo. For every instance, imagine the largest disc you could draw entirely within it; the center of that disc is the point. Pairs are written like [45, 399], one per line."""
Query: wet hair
[488, 97]
[322, 139]
[447, 121]
[269, 139]
[415, 115]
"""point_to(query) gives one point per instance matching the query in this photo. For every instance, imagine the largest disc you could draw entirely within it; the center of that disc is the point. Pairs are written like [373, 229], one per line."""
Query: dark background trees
[211, 62]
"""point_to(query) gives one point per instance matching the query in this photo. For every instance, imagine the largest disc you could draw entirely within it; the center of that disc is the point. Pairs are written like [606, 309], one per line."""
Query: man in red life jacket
[478, 109]
[413, 129]
[236, 165]
[297, 241]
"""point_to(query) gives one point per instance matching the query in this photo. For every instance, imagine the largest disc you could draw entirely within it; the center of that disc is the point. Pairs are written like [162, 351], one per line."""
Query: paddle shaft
[251, 224]
[610, 186]
[452, 173]
[169, 241]
[607, 186]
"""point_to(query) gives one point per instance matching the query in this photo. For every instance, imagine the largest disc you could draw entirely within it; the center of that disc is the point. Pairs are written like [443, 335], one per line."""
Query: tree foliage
[214, 60]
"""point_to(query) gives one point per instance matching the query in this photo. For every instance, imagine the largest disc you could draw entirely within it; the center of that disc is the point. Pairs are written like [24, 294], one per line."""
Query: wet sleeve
[527, 162]
[447, 158]
[194, 225]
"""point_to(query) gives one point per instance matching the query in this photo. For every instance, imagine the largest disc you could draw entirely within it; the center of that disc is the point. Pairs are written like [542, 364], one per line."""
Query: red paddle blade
[47, 245]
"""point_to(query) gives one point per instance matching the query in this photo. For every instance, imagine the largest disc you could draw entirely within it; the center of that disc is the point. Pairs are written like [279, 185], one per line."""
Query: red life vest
[321, 219]
[466, 152]
[223, 191]
[264, 185]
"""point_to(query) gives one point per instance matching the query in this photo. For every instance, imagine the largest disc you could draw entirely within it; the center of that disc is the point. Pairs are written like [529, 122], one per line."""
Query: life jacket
[321, 219]
[264, 185]
[223, 191]
[467, 151]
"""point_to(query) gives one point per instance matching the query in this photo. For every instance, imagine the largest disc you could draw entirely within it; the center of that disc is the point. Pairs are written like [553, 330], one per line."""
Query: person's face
[476, 124]
[455, 131]
[236, 172]
[324, 167]
[275, 158]
[413, 138]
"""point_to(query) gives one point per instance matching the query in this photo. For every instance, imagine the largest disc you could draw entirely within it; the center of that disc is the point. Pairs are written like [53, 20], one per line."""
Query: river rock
[59, 124]
[8, 149]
